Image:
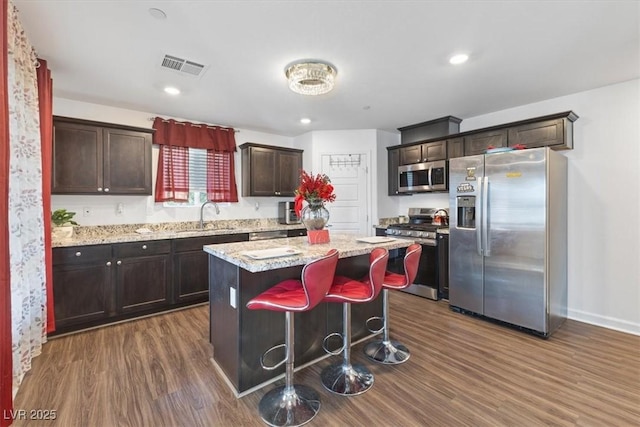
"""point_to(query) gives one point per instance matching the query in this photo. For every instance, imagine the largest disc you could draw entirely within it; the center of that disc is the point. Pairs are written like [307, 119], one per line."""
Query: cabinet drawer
[151, 247]
[81, 254]
[196, 243]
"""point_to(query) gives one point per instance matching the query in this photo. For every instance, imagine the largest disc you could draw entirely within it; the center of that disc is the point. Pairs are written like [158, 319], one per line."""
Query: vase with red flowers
[316, 190]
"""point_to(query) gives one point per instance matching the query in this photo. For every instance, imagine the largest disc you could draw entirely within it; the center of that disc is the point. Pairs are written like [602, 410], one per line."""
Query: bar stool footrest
[293, 406]
[387, 352]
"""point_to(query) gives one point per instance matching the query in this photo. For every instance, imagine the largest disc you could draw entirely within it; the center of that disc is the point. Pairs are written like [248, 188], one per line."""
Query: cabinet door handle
[106, 190]
[78, 253]
[144, 246]
[108, 263]
[119, 262]
[99, 188]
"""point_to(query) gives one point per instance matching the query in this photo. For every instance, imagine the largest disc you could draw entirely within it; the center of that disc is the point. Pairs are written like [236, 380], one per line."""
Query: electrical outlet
[232, 297]
[120, 209]
[86, 211]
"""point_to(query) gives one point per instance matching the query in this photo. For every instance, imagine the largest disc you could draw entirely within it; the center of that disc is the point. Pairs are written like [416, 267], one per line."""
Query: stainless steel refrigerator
[508, 237]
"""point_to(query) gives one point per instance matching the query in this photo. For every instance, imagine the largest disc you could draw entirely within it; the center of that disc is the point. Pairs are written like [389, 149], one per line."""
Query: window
[197, 171]
[195, 159]
[191, 176]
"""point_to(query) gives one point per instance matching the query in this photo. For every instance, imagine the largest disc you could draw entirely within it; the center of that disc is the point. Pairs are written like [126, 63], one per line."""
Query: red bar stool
[385, 350]
[294, 404]
[345, 378]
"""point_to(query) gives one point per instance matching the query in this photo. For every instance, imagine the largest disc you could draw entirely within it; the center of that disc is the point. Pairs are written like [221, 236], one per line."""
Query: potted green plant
[62, 223]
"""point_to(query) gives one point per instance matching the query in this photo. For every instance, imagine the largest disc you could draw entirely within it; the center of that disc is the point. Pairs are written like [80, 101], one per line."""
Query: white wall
[143, 209]
[604, 200]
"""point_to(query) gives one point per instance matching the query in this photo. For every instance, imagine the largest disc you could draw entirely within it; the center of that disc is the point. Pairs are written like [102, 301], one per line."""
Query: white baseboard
[604, 321]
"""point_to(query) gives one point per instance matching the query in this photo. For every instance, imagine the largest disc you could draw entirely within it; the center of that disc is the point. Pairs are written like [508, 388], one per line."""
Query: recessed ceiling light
[157, 13]
[172, 90]
[305, 120]
[458, 59]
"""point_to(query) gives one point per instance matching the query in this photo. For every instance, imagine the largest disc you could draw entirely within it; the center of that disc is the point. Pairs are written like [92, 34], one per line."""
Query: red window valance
[186, 134]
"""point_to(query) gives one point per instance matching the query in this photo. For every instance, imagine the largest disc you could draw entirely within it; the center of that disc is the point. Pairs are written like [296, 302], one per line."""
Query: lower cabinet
[142, 276]
[100, 284]
[82, 285]
[191, 266]
[97, 284]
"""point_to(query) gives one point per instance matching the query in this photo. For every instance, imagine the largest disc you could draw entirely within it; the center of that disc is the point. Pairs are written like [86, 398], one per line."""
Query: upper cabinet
[100, 158]
[555, 133]
[554, 130]
[455, 148]
[478, 143]
[270, 171]
[423, 152]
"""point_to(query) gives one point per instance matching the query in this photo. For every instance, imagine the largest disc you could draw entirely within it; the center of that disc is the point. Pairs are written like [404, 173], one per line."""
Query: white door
[349, 177]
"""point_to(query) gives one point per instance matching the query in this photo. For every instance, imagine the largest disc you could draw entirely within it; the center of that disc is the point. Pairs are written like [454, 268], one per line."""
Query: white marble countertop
[346, 244]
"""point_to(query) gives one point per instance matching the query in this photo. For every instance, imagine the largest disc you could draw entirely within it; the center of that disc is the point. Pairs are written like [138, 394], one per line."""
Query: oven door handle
[427, 242]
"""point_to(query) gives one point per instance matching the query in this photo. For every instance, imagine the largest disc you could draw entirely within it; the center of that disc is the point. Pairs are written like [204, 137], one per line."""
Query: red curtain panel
[6, 401]
[45, 102]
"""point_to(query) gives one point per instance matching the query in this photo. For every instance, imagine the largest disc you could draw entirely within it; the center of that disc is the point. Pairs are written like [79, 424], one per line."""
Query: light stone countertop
[123, 233]
[346, 244]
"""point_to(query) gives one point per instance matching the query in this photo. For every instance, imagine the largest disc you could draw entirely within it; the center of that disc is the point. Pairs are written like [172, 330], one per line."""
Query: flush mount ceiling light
[311, 78]
[458, 59]
[172, 90]
[305, 120]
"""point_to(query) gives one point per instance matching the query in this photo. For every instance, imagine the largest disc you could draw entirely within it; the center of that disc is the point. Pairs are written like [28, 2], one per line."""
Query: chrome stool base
[347, 380]
[387, 352]
[289, 406]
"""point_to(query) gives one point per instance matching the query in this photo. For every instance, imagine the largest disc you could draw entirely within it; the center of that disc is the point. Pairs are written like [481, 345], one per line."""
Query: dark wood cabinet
[455, 148]
[427, 152]
[478, 143]
[393, 161]
[270, 171]
[100, 284]
[100, 158]
[555, 131]
[82, 284]
[549, 133]
[191, 266]
[142, 275]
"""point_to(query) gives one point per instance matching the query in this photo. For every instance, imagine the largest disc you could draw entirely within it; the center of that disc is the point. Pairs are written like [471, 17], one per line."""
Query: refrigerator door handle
[478, 223]
[485, 217]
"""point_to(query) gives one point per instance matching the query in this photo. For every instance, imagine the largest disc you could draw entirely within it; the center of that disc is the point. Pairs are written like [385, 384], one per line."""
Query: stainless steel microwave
[422, 177]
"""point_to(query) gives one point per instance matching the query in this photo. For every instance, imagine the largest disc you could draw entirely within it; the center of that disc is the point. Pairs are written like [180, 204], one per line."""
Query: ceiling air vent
[182, 65]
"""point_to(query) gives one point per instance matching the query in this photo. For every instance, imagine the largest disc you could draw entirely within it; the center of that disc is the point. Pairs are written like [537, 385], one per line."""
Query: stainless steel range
[423, 227]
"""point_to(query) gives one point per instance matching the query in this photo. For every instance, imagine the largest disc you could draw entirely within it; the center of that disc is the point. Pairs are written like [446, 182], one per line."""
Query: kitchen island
[240, 336]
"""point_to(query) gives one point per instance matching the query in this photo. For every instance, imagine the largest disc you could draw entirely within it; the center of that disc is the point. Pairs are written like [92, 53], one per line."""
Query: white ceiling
[391, 56]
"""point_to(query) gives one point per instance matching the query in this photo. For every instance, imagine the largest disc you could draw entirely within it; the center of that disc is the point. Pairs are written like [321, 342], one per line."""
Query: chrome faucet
[202, 212]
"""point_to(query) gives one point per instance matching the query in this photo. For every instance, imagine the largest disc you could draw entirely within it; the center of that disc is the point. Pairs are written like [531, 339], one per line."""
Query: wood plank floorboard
[463, 371]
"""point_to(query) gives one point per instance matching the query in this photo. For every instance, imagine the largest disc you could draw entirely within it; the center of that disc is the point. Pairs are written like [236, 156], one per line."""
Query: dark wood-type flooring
[463, 371]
